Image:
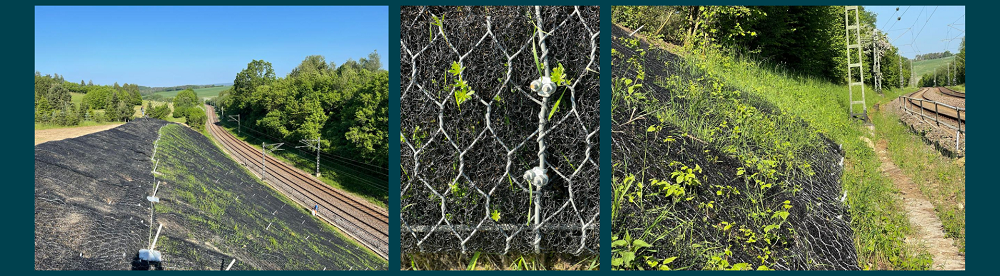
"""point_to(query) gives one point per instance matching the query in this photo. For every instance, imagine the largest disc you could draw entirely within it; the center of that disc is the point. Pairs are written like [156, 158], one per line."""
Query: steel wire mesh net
[472, 126]
[816, 235]
[90, 211]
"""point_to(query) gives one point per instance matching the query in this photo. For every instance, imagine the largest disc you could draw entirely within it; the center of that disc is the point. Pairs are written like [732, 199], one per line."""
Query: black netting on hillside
[817, 234]
[463, 165]
[216, 211]
[90, 207]
[91, 210]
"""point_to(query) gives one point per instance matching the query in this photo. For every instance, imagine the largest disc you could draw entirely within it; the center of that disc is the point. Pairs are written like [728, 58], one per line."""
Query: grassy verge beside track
[337, 175]
[878, 220]
[216, 211]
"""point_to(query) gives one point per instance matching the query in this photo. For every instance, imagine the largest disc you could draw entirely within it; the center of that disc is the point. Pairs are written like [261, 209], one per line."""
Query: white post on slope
[231, 264]
[153, 245]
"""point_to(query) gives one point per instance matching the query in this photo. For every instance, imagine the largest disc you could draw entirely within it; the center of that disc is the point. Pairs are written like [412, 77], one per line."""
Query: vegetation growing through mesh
[727, 163]
[469, 127]
[215, 211]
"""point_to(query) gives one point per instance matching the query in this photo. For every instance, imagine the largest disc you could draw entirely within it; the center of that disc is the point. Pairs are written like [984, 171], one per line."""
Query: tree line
[146, 90]
[944, 54]
[808, 40]
[53, 101]
[346, 105]
[953, 73]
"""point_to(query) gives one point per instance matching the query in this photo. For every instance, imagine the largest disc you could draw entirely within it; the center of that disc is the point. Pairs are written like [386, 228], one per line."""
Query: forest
[807, 40]
[346, 106]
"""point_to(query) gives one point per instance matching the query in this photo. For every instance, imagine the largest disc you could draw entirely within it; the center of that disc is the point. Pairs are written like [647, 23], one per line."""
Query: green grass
[879, 222]
[940, 179]
[878, 219]
[958, 88]
[308, 164]
[76, 98]
[927, 66]
[209, 92]
[210, 212]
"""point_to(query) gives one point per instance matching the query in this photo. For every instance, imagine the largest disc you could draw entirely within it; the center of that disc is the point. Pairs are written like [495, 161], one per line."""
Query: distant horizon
[921, 29]
[165, 46]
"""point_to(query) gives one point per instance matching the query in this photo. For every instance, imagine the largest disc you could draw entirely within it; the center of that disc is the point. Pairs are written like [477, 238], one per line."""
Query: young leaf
[456, 68]
[558, 75]
[555, 107]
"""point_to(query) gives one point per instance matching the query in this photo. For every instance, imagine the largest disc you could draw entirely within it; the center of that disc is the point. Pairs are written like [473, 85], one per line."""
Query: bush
[160, 112]
[196, 118]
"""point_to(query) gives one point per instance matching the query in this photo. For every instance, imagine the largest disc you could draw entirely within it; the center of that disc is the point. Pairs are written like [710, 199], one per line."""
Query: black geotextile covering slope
[216, 211]
[820, 236]
[462, 165]
[91, 210]
[90, 197]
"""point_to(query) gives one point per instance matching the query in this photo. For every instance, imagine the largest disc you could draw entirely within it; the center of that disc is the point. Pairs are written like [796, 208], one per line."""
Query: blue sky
[922, 29]
[167, 46]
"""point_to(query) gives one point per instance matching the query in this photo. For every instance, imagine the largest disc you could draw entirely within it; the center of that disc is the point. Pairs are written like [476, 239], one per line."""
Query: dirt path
[929, 232]
[45, 135]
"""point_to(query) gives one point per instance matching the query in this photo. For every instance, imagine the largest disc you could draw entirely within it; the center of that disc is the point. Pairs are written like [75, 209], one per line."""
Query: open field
[927, 66]
[45, 133]
[209, 92]
[76, 98]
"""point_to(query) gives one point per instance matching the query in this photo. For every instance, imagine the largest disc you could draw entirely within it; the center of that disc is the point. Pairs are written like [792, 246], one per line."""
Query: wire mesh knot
[544, 86]
[537, 177]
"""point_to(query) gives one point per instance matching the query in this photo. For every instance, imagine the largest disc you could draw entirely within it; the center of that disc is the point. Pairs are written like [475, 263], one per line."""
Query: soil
[55, 134]
[929, 231]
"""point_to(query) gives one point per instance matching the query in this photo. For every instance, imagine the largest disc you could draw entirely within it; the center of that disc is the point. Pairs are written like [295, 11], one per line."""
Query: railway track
[355, 217]
[949, 92]
[917, 99]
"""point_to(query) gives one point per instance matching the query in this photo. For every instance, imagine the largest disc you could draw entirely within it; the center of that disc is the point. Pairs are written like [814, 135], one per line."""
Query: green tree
[370, 127]
[257, 73]
[315, 64]
[42, 110]
[195, 118]
[184, 101]
[960, 60]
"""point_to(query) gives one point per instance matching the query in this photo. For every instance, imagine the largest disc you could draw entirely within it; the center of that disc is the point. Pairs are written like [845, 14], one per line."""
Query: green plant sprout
[462, 90]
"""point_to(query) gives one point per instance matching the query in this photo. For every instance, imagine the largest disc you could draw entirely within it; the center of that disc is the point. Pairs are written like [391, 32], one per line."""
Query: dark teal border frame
[18, 22]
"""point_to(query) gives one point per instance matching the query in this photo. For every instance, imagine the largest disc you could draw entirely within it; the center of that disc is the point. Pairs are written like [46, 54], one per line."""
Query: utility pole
[877, 58]
[954, 70]
[854, 63]
[900, 69]
[263, 158]
[313, 144]
[239, 126]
